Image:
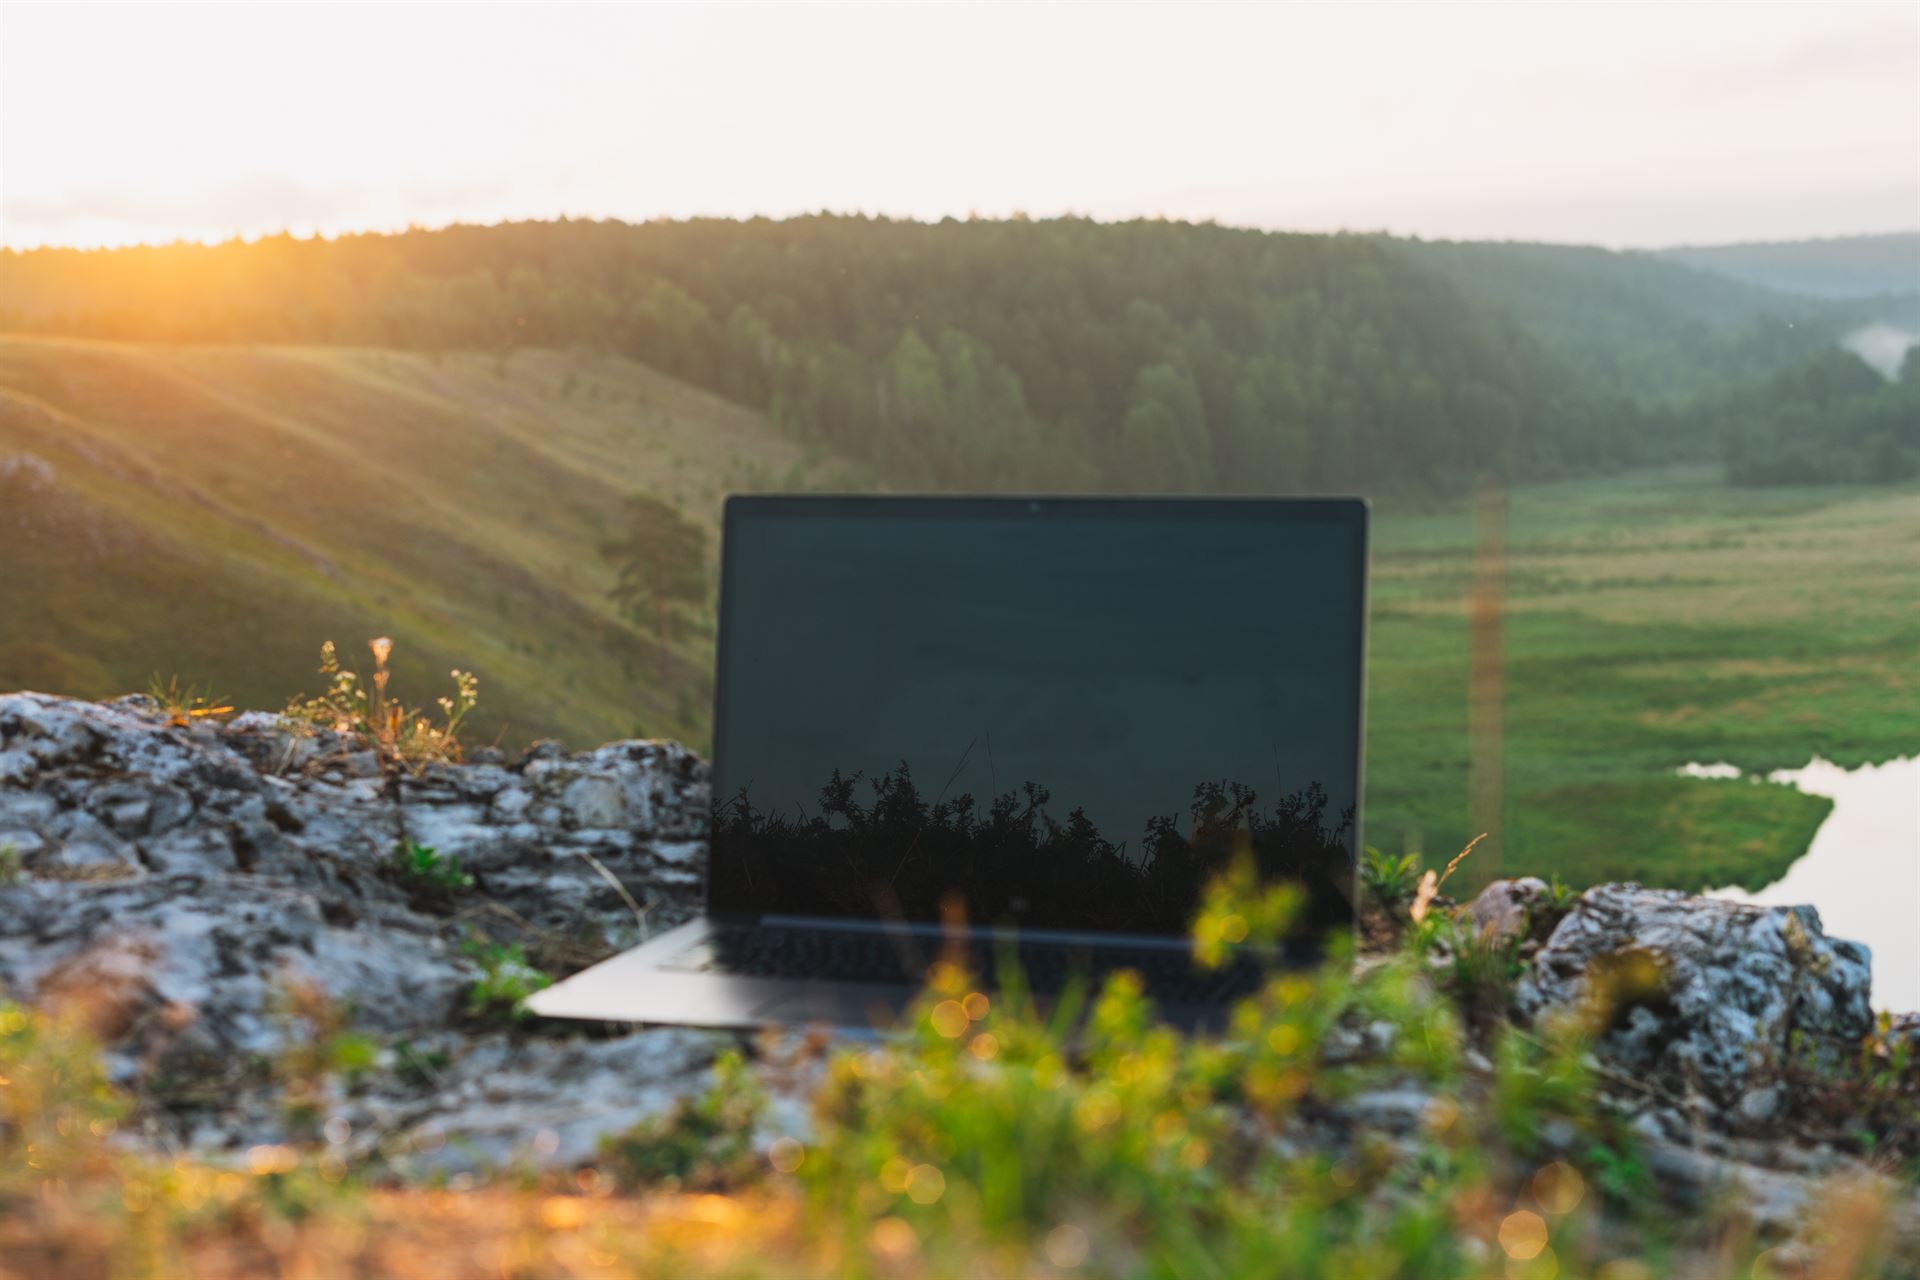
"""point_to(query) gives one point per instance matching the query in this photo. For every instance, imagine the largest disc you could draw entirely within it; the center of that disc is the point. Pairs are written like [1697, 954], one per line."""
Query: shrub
[1095, 1136]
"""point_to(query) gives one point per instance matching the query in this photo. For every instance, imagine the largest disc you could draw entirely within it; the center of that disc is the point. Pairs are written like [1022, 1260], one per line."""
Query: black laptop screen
[1063, 714]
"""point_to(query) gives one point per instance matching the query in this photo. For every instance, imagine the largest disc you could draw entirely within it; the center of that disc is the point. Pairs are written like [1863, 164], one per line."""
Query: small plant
[1432, 882]
[506, 979]
[1874, 1093]
[418, 1067]
[1391, 881]
[1483, 967]
[701, 1143]
[184, 704]
[321, 1053]
[400, 733]
[423, 867]
[10, 870]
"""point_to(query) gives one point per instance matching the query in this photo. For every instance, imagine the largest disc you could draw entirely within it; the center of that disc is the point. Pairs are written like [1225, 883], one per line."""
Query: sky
[1625, 124]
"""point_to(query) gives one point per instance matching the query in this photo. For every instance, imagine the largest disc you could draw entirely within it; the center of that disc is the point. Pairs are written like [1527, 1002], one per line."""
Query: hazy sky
[1619, 123]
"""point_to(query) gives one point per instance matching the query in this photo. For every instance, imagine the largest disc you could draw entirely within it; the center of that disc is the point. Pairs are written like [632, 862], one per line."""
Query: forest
[1062, 354]
[1828, 419]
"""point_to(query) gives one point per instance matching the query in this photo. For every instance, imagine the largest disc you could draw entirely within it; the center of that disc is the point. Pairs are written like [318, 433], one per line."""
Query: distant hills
[1648, 328]
[1848, 267]
[1064, 354]
[212, 458]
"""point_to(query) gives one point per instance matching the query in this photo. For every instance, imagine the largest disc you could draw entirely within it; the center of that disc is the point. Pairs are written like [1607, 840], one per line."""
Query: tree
[1163, 439]
[661, 560]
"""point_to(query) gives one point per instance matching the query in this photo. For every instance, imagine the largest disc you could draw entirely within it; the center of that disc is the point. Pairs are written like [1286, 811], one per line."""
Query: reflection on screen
[1070, 719]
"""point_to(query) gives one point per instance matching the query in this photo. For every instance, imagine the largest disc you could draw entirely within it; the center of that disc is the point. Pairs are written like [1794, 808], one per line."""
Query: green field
[1652, 619]
[216, 512]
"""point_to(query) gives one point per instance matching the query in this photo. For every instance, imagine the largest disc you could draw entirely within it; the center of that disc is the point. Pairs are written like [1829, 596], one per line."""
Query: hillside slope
[217, 512]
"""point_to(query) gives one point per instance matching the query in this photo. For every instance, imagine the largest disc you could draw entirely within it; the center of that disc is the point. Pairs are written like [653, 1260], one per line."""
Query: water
[1862, 871]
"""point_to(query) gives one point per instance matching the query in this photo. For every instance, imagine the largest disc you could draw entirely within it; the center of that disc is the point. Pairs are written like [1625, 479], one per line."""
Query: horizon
[312, 235]
[1580, 123]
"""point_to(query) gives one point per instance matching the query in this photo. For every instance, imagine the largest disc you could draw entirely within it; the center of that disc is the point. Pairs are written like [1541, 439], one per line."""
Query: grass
[1653, 620]
[212, 509]
[184, 704]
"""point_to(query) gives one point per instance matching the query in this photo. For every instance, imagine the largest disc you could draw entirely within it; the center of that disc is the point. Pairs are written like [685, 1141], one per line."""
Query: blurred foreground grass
[986, 1139]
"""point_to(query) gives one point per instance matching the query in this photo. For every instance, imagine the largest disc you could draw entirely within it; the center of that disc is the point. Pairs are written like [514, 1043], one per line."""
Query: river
[1862, 871]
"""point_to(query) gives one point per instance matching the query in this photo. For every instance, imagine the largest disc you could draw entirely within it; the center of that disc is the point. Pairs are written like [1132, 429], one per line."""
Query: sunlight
[1562, 122]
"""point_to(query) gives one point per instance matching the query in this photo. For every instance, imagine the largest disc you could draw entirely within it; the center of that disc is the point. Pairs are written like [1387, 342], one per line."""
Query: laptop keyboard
[770, 951]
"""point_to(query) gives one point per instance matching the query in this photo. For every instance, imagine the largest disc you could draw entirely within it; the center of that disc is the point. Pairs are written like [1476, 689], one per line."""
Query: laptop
[1025, 730]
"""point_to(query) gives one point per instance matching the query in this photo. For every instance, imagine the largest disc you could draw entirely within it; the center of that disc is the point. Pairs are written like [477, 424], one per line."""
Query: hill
[1650, 329]
[1843, 267]
[217, 511]
[1065, 354]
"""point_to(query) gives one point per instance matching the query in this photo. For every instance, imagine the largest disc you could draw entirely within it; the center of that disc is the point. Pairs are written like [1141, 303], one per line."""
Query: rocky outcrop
[1696, 1006]
[219, 899]
[186, 887]
[1701, 995]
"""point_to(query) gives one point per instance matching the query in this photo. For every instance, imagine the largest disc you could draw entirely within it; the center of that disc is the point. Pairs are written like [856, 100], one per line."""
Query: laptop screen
[1063, 713]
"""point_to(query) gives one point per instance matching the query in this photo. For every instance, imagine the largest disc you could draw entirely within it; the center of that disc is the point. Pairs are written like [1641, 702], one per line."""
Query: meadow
[216, 512]
[1652, 619]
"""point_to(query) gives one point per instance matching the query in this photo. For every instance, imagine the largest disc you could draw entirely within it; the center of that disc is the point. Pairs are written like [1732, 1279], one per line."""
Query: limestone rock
[1505, 908]
[1699, 993]
[180, 887]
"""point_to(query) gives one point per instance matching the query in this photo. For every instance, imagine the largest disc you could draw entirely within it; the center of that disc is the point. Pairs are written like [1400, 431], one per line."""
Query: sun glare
[1570, 121]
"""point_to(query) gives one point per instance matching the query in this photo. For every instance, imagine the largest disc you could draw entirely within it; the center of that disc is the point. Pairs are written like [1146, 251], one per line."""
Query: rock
[1693, 993]
[546, 1102]
[1397, 1110]
[1770, 1198]
[1757, 1106]
[1505, 908]
[185, 889]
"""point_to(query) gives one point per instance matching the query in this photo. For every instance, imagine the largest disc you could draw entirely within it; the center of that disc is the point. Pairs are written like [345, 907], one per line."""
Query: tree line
[1060, 354]
[1830, 419]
